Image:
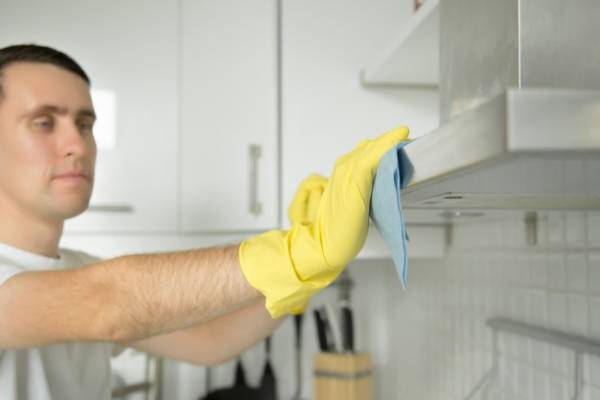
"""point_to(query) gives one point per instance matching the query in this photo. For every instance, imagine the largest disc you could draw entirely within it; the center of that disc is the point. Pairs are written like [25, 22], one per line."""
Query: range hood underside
[525, 149]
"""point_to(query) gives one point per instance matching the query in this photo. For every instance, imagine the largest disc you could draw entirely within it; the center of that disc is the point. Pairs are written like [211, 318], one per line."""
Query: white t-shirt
[58, 372]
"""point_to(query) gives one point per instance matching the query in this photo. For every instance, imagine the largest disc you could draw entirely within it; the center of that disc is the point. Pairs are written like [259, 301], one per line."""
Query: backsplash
[439, 343]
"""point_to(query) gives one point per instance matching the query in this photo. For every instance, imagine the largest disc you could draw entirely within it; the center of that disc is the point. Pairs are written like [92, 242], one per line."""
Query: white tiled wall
[440, 346]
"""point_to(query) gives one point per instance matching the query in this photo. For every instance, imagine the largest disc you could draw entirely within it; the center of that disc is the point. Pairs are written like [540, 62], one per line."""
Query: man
[61, 310]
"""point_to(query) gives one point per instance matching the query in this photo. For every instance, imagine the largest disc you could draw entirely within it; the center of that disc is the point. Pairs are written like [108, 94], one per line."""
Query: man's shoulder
[78, 257]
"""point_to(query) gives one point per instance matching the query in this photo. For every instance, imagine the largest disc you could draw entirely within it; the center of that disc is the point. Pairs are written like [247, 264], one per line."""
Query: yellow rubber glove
[328, 230]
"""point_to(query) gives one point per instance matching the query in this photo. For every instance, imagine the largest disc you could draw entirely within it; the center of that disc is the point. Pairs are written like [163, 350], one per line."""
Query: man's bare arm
[215, 341]
[124, 299]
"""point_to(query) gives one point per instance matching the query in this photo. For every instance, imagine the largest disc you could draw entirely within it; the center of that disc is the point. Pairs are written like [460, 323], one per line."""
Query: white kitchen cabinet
[193, 89]
[129, 50]
[326, 109]
[229, 141]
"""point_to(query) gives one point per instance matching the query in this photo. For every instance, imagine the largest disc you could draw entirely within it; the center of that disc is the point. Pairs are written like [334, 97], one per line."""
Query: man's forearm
[153, 294]
[123, 299]
[215, 341]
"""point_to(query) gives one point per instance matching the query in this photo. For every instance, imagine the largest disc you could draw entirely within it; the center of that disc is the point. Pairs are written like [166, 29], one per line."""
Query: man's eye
[42, 123]
[85, 126]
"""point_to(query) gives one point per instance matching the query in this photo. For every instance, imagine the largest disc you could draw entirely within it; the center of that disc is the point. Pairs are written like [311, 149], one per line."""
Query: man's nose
[74, 141]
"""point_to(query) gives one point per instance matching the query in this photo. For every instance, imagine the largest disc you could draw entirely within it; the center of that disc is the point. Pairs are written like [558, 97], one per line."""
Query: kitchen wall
[438, 344]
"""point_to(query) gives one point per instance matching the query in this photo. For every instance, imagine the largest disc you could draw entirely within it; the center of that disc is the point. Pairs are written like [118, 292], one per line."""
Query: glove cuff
[267, 265]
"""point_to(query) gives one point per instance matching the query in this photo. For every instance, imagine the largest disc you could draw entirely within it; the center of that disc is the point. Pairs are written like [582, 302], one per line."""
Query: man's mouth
[73, 177]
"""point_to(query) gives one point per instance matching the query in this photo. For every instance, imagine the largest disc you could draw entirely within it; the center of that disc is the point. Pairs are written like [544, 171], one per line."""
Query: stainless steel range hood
[520, 108]
[524, 149]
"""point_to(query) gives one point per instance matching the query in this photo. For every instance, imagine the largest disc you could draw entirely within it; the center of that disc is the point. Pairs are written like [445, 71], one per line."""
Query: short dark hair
[38, 54]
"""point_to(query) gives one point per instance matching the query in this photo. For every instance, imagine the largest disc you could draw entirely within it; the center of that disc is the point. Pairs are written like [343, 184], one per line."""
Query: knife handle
[268, 347]
[298, 328]
[321, 335]
[347, 328]
[332, 321]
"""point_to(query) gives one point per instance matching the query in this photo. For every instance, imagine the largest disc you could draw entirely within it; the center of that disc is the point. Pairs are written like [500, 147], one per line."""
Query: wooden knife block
[343, 376]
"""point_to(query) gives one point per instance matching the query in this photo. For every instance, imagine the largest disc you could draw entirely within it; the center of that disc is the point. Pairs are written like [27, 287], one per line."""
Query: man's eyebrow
[86, 113]
[53, 109]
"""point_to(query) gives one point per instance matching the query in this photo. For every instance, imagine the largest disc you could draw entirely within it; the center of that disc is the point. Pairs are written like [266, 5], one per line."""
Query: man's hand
[327, 231]
[307, 200]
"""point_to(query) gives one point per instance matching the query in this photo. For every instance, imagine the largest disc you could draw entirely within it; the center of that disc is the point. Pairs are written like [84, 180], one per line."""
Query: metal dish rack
[578, 344]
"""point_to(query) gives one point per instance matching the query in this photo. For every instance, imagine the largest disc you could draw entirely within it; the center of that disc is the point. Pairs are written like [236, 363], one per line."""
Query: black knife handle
[321, 335]
[298, 328]
[347, 328]
[268, 347]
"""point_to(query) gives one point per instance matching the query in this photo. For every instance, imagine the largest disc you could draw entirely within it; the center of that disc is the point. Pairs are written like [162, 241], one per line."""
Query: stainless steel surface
[125, 391]
[478, 52]
[559, 43]
[154, 368]
[152, 384]
[553, 119]
[580, 345]
[474, 201]
[487, 46]
[474, 137]
[254, 152]
[523, 149]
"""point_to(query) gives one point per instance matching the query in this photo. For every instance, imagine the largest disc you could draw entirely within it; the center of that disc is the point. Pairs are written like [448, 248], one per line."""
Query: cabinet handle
[110, 208]
[254, 151]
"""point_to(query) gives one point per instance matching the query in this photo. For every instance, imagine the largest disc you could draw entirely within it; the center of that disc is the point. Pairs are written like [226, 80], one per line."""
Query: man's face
[47, 150]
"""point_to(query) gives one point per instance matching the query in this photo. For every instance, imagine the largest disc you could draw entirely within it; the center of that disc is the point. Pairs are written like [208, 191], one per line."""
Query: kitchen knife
[334, 326]
[331, 344]
[298, 336]
[347, 327]
[321, 333]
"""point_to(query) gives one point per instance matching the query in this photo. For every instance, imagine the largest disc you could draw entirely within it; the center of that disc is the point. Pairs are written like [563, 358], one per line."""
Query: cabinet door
[229, 115]
[327, 112]
[129, 50]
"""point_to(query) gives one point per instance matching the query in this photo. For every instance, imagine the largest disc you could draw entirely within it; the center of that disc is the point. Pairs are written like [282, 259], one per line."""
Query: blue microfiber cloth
[393, 173]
